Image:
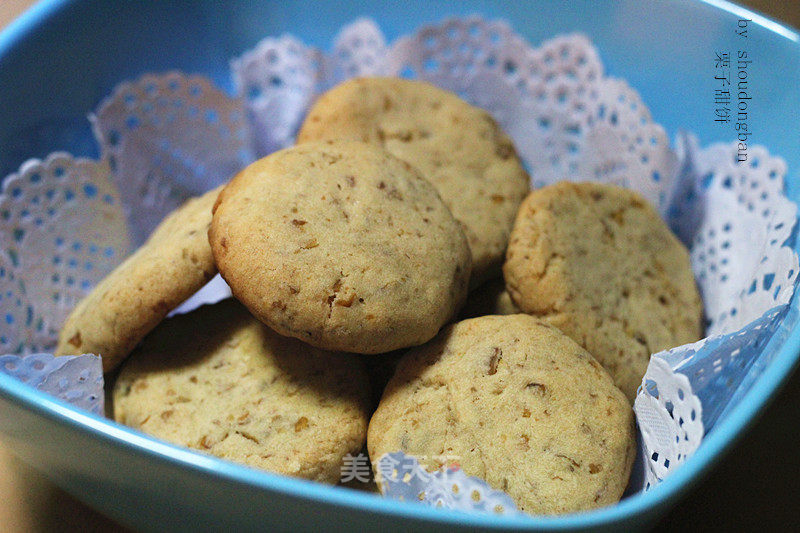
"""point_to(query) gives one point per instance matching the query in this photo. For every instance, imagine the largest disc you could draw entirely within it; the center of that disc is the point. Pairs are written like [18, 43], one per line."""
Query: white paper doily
[75, 379]
[403, 478]
[167, 138]
[62, 229]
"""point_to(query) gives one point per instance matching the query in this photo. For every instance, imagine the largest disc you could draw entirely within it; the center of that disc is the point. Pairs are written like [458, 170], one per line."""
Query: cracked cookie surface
[173, 264]
[219, 381]
[341, 245]
[599, 263]
[459, 148]
[517, 403]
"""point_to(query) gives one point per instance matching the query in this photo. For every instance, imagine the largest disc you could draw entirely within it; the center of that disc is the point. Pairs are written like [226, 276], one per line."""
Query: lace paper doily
[403, 478]
[74, 379]
[63, 225]
[62, 229]
[167, 138]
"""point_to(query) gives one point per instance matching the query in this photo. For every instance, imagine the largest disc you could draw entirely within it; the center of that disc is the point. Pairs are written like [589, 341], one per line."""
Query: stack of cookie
[367, 238]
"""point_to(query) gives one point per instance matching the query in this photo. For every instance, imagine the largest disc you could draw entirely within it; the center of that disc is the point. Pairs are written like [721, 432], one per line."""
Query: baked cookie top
[173, 264]
[341, 245]
[517, 403]
[598, 262]
[459, 148]
[219, 381]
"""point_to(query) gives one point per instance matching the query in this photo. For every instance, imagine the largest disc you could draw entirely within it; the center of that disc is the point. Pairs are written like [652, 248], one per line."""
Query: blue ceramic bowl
[62, 57]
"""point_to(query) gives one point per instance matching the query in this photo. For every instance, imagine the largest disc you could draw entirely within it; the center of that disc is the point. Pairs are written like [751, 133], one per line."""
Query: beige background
[748, 489]
[10, 9]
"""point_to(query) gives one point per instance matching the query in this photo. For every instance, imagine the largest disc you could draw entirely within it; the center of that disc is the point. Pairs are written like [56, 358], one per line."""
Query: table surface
[748, 489]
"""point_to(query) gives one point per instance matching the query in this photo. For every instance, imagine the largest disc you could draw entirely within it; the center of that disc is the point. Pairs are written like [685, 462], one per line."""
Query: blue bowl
[62, 57]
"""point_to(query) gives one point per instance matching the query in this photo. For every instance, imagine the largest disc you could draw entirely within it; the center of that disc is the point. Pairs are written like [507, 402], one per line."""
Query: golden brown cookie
[219, 381]
[341, 245]
[459, 148]
[491, 298]
[517, 403]
[599, 263]
[173, 264]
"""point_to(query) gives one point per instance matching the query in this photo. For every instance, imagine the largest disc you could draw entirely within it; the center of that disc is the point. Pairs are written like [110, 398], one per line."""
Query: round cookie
[459, 148]
[341, 245]
[173, 264]
[491, 298]
[599, 263]
[517, 403]
[219, 381]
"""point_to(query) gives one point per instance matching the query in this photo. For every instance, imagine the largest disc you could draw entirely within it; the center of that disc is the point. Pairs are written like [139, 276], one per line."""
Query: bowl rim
[639, 504]
[723, 436]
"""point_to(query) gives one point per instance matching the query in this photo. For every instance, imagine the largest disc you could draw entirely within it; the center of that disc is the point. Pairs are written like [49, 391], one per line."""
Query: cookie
[219, 381]
[341, 245]
[516, 403]
[599, 263]
[173, 264]
[491, 298]
[459, 148]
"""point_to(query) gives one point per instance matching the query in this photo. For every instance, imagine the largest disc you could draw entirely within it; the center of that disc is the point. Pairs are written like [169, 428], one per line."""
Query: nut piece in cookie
[517, 403]
[459, 148]
[599, 263]
[341, 245]
[173, 264]
[219, 381]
